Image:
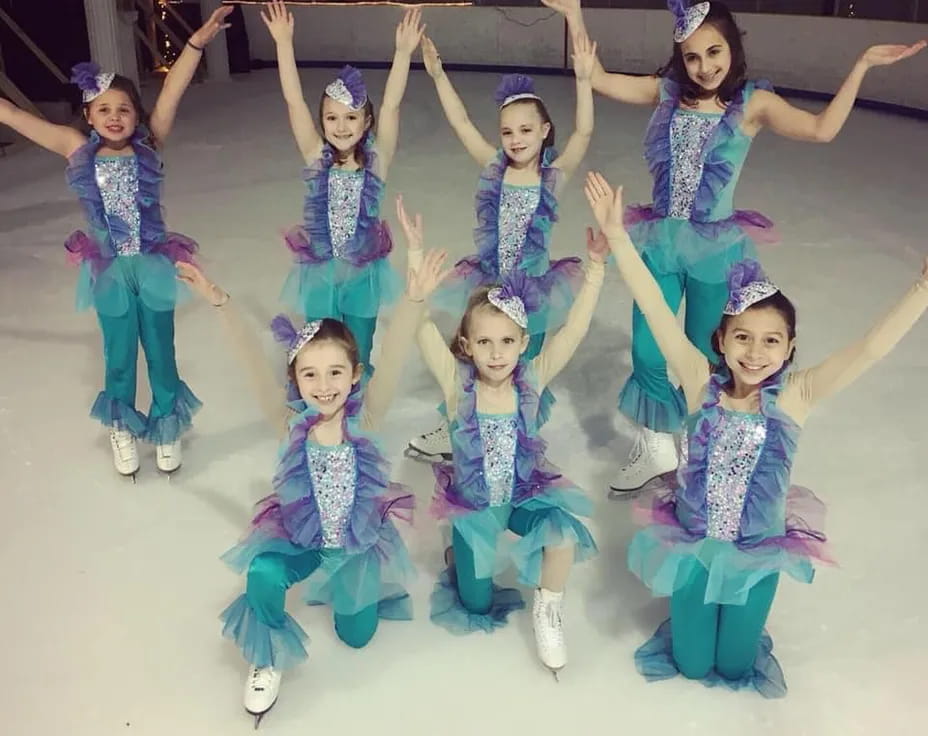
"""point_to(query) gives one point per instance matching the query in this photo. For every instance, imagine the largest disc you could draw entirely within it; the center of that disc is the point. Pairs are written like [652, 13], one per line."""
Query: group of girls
[715, 542]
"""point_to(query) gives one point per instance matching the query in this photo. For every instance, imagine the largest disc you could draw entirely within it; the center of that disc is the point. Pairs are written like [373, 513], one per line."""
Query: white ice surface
[111, 591]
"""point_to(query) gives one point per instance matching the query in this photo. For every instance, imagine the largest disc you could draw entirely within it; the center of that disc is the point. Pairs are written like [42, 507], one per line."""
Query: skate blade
[413, 454]
[657, 481]
[259, 716]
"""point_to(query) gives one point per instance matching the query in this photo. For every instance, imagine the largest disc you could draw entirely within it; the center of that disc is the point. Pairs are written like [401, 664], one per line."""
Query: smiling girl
[718, 543]
[329, 516]
[127, 259]
[342, 249]
[707, 115]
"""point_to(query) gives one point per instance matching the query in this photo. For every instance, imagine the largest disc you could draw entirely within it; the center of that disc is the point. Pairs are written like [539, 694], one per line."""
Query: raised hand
[888, 53]
[597, 246]
[606, 205]
[279, 21]
[209, 30]
[412, 228]
[584, 57]
[409, 31]
[422, 282]
[431, 59]
[564, 7]
[196, 280]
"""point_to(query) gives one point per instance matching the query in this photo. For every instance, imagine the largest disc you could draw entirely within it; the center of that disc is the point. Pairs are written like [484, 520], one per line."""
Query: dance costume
[688, 238]
[127, 274]
[500, 479]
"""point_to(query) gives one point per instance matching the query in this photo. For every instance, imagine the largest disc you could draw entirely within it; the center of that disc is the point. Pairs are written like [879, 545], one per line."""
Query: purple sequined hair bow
[349, 89]
[688, 18]
[285, 333]
[517, 297]
[91, 81]
[515, 87]
[747, 285]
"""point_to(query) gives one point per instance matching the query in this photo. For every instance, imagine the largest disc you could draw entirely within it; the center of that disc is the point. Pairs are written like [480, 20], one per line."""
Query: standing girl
[328, 518]
[341, 251]
[500, 479]
[517, 202]
[717, 544]
[127, 259]
[706, 116]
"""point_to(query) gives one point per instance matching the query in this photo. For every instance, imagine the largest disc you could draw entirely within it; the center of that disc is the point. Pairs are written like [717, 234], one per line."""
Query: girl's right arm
[686, 360]
[279, 22]
[477, 146]
[621, 87]
[271, 396]
[61, 139]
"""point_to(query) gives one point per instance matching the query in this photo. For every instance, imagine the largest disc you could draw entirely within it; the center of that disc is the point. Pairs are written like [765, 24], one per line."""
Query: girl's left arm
[840, 369]
[584, 62]
[178, 79]
[408, 35]
[424, 273]
[767, 109]
[562, 346]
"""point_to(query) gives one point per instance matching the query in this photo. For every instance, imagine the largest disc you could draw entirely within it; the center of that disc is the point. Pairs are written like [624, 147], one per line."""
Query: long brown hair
[724, 22]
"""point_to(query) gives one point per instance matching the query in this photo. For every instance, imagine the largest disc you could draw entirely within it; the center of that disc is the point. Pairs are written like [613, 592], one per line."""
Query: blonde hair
[479, 299]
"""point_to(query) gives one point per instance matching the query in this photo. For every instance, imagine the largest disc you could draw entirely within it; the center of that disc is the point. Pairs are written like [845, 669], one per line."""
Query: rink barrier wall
[807, 56]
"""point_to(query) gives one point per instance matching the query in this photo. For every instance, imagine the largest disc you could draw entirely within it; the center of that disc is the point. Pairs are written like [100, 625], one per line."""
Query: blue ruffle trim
[167, 429]
[118, 414]
[646, 411]
[654, 660]
[262, 645]
[448, 612]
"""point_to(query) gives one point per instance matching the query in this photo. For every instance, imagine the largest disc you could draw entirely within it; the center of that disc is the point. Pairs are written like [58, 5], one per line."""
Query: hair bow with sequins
[348, 88]
[747, 285]
[688, 18]
[286, 334]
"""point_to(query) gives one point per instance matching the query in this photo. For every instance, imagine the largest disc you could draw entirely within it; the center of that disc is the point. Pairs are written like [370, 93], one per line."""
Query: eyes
[351, 118]
[694, 58]
[311, 374]
[486, 341]
[524, 130]
[122, 110]
[770, 340]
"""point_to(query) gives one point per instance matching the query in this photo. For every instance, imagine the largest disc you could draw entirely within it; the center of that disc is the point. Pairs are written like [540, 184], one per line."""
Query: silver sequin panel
[689, 132]
[344, 205]
[118, 182]
[734, 450]
[517, 205]
[333, 473]
[499, 455]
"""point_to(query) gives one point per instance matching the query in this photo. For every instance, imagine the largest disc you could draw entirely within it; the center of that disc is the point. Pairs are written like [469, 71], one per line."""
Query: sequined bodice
[344, 205]
[517, 205]
[689, 132]
[333, 473]
[118, 181]
[498, 433]
[734, 449]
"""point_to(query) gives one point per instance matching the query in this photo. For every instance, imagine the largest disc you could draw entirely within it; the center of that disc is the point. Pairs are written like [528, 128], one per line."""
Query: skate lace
[261, 678]
[636, 451]
[555, 621]
[436, 434]
[123, 442]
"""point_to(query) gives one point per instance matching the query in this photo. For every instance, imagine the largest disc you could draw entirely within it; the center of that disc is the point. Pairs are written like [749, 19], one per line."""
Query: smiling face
[113, 116]
[755, 344]
[707, 57]
[494, 342]
[522, 132]
[343, 127]
[324, 375]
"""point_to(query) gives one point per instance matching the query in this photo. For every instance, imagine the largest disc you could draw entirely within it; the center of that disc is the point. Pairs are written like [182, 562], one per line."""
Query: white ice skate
[125, 452]
[261, 691]
[652, 455]
[168, 457]
[431, 447]
[548, 623]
